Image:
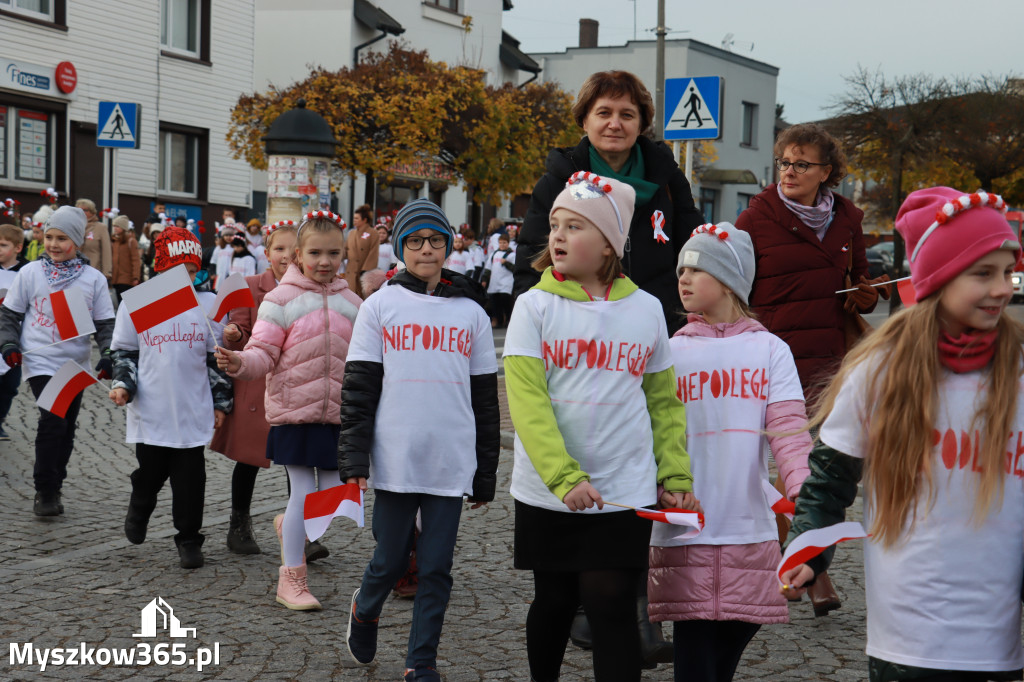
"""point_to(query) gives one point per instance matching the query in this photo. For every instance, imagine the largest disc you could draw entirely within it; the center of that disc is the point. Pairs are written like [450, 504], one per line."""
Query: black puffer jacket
[361, 391]
[647, 262]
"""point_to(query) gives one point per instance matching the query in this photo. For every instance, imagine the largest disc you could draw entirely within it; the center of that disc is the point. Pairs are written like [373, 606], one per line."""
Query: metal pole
[659, 85]
[689, 163]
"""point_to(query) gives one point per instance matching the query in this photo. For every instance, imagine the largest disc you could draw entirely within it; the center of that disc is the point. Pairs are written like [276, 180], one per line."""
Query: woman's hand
[227, 359]
[793, 581]
[232, 333]
[583, 496]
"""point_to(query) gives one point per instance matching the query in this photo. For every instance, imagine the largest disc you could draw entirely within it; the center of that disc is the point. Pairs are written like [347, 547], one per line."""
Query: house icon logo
[159, 614]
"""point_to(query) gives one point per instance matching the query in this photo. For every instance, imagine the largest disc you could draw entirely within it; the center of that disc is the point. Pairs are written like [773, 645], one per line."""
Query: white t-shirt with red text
[459, 261]
[948, 595]
[173, 406]
[595, 356]
[726, 385]
[424, 437]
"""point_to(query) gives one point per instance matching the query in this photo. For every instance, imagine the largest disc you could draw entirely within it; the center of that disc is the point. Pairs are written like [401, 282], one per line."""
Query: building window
[180, 156]
[452, 5]
[708, 199]
[742, 202]
[27, 145]
[37, 9]
[749, 133]
[183, 27]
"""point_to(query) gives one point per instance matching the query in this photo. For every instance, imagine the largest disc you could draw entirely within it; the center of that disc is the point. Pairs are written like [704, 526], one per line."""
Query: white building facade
[744, 149]
[290, 39]
[185, 62]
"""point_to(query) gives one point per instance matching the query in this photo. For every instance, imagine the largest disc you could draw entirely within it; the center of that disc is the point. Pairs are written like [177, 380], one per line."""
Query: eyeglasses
[800, 167]
[415, 242]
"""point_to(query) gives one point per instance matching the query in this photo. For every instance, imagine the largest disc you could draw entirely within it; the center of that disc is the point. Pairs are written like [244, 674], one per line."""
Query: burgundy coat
[243, 436]
[796, 279]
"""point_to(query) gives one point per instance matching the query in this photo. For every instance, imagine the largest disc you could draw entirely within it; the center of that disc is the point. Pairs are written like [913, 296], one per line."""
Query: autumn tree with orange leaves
[400, 107]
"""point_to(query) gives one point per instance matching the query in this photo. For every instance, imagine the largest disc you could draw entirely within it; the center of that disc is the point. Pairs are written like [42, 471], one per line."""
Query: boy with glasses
[422, 356]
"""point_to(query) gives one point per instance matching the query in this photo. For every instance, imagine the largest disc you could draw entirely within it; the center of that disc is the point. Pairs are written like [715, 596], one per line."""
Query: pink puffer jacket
[300, 342]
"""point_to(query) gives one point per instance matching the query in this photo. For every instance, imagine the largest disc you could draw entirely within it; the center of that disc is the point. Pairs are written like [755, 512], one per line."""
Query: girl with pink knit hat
[926, 409]
[592, 395]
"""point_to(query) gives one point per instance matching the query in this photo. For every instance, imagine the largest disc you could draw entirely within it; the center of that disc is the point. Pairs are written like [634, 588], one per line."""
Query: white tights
[303, 480]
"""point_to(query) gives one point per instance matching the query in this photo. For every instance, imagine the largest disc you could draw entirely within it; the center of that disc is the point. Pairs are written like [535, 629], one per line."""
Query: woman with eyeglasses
[807, 239]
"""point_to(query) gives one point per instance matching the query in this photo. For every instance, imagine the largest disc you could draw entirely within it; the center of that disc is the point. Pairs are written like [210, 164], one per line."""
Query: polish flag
[320, 507]
[167, 295]
[778, 503]
[233, 293]
[907, 293]
[71, 313]
[3, 295]
[677, 517]
[61, 389]
[812, 543]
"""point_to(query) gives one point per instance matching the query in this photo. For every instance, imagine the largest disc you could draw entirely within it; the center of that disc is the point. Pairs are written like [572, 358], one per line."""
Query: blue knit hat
[417, 215]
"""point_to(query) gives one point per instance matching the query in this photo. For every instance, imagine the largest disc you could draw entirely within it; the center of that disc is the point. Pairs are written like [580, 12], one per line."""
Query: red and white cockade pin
[658, 223]
[951, 209]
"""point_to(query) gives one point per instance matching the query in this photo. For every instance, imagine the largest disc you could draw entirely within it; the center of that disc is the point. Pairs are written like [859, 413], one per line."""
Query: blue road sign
[117, 125]
[693, 108]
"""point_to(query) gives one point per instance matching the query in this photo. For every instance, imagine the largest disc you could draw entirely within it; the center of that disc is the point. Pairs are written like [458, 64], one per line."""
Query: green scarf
[632, 173]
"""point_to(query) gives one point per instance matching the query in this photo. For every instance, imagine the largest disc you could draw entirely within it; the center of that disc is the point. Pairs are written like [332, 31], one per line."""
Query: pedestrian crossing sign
[693, 108]
[117, 125]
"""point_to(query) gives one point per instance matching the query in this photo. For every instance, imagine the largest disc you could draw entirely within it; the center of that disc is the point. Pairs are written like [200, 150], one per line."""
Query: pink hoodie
[732, 582]
[300, 342]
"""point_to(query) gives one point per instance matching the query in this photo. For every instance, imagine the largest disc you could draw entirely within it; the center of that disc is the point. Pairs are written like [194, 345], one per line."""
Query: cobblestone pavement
[74, 580]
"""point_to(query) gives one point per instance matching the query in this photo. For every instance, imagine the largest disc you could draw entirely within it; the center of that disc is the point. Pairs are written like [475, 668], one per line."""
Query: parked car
[878, 264]
[1017, 280]
[887, 249]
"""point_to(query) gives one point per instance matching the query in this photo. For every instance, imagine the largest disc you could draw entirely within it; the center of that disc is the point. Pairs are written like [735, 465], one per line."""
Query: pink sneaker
[293, 590]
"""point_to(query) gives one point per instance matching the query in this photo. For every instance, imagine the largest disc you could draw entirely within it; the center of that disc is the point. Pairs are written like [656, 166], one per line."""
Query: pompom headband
[712, 230]
[953, 208]
[315, 215]
[586, 185]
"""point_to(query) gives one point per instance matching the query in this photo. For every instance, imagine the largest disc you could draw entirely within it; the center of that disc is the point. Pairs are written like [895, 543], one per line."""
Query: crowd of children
[611, 415]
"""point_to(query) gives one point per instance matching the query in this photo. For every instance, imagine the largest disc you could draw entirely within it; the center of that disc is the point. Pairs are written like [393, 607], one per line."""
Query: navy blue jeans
[394, 518]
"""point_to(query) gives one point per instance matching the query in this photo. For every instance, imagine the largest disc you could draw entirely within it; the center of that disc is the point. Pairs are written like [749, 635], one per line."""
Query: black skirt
[311, 445]
[547, 540]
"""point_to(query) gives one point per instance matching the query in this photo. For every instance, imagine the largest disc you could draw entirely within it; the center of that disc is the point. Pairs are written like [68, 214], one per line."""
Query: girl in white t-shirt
[928, 408]
[300, 344]
[740, 387]
[242, 261]
[460, 260]
[592, 394]
[173, 403]
[385, 252]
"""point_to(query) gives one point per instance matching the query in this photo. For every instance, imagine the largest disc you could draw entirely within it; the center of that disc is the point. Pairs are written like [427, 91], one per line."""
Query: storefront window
[26, 145]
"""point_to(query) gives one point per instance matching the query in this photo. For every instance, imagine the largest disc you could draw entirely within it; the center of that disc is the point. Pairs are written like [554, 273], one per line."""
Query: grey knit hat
[723, 251]
[69, 220]
[417, 215]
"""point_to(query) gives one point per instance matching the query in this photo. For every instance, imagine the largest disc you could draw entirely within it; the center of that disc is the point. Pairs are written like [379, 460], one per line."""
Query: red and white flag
[61, 389]
[812, 543]
[778, 503]
[907, 293]
[167, 295]
[677, 517]
[320, 507]
[71, 313]
[232, 293]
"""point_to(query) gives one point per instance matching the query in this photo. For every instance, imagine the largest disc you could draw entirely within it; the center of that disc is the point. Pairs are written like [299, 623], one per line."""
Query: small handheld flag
[778, 503]
[232, 293]
[70, 380]
[812, 543]
[907, 293]
[322, 506]
[693, 521]
[167, 295]
[71, 313]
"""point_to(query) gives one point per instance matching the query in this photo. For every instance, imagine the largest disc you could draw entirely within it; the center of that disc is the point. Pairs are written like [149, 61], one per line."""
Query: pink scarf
[969, 352]
[817, 217]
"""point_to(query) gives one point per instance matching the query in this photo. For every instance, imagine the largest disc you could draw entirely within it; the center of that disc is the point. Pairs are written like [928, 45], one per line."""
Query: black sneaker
[190, 555]
[3, 434]
[47, 504]
[361, 636]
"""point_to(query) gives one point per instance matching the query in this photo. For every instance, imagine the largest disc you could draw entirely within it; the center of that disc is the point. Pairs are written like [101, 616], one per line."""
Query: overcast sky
[814, 45]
